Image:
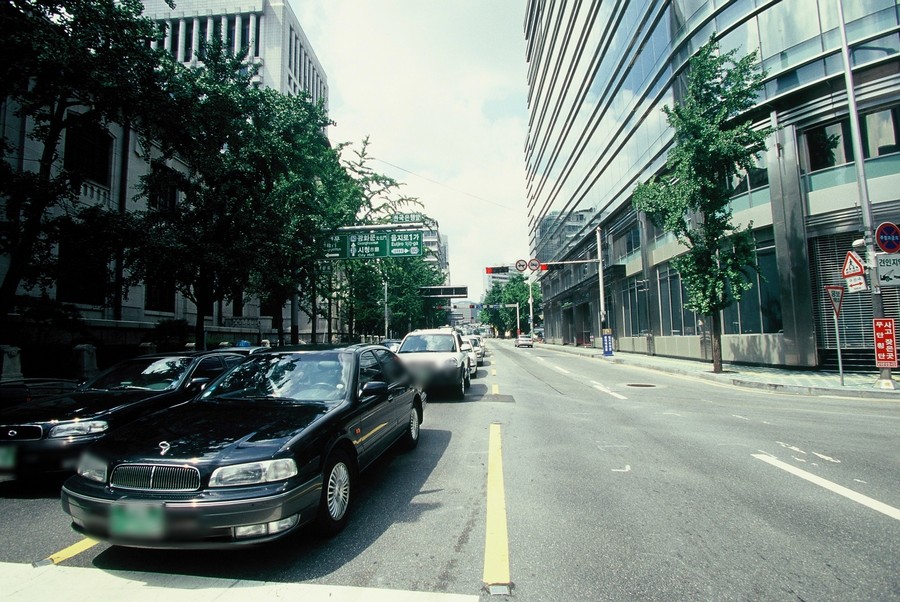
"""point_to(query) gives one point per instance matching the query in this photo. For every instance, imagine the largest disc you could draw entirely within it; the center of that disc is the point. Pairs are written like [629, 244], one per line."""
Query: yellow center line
[495, 389]
[67, 553]
[496, 541]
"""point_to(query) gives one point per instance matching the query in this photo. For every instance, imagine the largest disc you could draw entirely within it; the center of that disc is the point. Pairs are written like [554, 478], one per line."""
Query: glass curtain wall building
[599, 74]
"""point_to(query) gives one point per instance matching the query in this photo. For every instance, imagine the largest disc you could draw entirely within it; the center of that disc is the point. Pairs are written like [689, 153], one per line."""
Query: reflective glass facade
[599, 74]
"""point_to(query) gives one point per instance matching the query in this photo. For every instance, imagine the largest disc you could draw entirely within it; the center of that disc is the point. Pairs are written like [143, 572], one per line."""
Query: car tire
[460, 390]
[468, 380]
[411, 436]
[337, 489]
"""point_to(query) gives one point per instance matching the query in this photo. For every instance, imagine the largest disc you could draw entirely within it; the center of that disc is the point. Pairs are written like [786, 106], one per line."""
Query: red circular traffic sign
[887, 236]
[521, 265]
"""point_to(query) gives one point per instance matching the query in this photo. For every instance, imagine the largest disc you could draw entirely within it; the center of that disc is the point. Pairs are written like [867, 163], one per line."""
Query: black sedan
[274, 444]
[48, 435]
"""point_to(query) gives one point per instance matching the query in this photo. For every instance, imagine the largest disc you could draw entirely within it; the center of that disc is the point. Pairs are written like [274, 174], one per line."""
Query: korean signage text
[885, 343]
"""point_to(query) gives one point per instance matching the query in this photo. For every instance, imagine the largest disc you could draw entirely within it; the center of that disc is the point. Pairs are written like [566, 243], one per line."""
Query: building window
[83, 271]
[759, 309]
[829, 145]
[159, 295]
[164, 195]
[88, 152]
[881, 133]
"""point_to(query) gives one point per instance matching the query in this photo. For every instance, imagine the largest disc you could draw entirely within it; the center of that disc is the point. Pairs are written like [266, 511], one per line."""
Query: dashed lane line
[606, 390]
[833, 487]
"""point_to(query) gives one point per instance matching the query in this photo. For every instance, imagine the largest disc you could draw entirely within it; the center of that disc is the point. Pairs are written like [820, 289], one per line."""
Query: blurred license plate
[7, 456]
[137, 519]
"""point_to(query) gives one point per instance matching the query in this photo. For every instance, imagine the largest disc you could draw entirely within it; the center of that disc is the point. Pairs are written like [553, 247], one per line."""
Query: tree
[65, 65]
[714, 141]
[514, 291]
[214, 124]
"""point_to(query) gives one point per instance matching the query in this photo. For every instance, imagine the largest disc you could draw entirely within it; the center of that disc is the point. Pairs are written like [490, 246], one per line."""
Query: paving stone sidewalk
[805, 382]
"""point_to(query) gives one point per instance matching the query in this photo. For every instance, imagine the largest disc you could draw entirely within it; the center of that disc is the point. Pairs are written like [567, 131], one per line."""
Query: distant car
[438, 358]
[392, 344]
[274, 444]
[477, 347]
[48, 435]
[524, 340]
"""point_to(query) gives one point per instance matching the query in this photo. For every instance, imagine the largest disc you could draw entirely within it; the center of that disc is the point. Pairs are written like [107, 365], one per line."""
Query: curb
[739, 382]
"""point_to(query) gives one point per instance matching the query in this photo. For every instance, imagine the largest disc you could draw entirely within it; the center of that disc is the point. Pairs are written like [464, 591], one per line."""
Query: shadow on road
[388, 492]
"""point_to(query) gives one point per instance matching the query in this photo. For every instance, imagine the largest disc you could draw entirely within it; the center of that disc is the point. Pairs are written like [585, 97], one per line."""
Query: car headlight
[253, 473]
[452, 362]
[91, 467]
[78, 428]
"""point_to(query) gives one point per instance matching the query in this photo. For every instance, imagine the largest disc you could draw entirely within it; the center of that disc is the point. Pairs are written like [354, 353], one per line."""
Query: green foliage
[63, 64]
[713, 142]
[692, 199]
[515, 290]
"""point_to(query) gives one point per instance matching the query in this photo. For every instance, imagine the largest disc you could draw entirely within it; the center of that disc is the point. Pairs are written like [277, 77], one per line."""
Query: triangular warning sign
[853, 265]
[835, 295]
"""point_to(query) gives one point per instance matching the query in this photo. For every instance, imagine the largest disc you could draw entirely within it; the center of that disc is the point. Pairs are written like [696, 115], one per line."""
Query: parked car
[48, 435]
[524, 340]
[274, 444]
[22, 390]
[438, 359]
[392, 344]
[477, 347]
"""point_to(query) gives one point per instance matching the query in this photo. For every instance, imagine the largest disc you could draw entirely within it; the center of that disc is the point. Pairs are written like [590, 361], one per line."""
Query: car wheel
[468, 381]
[461, 390]
[334, 508]
[411, 436]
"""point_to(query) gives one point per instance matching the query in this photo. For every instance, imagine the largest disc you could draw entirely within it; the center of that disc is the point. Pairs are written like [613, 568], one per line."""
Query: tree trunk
[314, 314]
[716, 339]
[200, 330]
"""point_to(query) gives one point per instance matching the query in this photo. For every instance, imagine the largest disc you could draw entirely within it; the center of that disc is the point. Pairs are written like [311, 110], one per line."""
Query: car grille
[156, 477]
[19, 432]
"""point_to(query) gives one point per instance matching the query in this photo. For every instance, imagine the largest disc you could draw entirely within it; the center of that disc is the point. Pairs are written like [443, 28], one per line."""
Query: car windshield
[287, 377]
[424, 343]
[156, 374]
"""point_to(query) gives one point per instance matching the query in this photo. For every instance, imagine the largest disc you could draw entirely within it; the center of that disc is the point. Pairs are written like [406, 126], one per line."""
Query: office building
[599, 74]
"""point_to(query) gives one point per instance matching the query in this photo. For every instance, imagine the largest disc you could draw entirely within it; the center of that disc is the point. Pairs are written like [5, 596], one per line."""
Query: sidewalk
[782, 380]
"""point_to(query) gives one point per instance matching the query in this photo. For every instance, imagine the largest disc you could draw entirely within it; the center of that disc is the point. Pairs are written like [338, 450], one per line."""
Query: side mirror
[198, 384]
[466, 347]
[374, 388]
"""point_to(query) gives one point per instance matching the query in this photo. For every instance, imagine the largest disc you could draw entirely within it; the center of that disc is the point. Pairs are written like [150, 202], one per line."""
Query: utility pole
[884, 378]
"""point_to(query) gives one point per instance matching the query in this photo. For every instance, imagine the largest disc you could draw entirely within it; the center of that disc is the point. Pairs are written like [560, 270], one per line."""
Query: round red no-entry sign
[887, 236]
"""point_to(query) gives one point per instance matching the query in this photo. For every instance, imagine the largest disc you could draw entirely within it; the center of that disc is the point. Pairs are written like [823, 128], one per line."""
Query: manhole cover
[645, 385]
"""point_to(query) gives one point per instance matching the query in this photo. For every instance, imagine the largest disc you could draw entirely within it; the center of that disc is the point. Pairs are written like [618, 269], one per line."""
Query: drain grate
[641, 385]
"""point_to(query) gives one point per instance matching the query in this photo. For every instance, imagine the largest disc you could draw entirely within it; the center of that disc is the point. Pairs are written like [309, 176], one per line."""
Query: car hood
[78, 404]
[202, 430]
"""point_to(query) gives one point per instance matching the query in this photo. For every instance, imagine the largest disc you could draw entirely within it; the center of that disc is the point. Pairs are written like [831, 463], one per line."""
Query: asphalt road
[615, 483]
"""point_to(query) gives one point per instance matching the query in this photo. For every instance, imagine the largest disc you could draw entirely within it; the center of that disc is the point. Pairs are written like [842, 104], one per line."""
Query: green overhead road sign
[374, 245]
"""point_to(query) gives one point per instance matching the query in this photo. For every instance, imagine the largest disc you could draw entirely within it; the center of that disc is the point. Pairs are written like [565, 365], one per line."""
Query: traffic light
[551, 267]
[500, 269]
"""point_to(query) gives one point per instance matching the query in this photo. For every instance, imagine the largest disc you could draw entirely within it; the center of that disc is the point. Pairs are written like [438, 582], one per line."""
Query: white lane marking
[860, 481]
[600, 387]
[540, 358]
[606, 447]
[740, 417]
[626, 469]
[791, 447]
[833, 487]
[563, 370]
[827, 458]
[671, 414]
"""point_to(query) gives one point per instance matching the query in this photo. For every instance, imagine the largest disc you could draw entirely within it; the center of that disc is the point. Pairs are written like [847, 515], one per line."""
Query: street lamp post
[884, 378]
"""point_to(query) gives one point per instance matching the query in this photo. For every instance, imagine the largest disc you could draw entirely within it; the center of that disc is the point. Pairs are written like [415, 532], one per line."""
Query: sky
[439, 88]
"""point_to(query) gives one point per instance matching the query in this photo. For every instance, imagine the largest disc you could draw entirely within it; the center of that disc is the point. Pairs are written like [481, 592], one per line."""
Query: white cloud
[439, 87]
